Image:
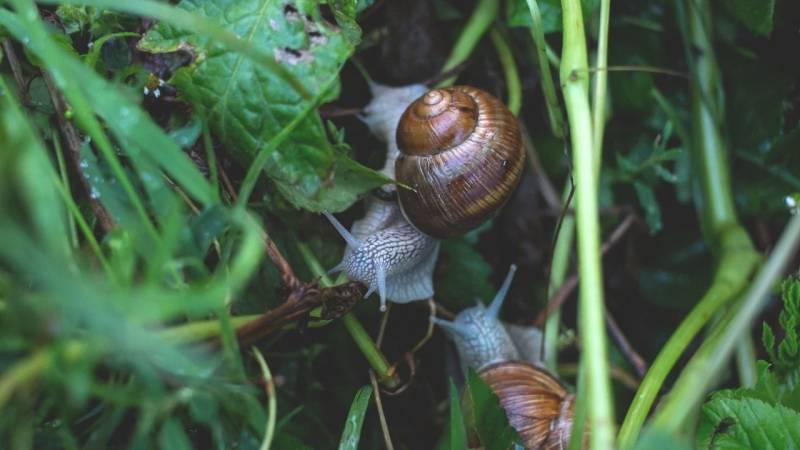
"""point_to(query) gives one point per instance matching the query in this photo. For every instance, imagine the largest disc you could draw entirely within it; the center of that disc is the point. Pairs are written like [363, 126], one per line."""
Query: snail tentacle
[499, 298]
[380, 278]
[348, 237]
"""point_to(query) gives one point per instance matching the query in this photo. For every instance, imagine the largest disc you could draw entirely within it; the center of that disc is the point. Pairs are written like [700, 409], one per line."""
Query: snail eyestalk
[452, 327]
[348, 237]
[497, 303]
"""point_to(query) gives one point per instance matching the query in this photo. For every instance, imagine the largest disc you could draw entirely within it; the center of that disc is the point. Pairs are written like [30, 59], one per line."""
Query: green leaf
[351, 434]
[655, 439]
[96, 21]
[490, 419]
[458, 433]
[730, 421]
[247, 104]
[754, 14]
[462, 275]
[94, 53]
[647, 198]
[518, 14]
[28, 177]
[172, 436]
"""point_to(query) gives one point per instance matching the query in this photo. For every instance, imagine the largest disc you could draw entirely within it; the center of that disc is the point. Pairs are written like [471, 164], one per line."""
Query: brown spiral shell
[537, 405]
[461, 153]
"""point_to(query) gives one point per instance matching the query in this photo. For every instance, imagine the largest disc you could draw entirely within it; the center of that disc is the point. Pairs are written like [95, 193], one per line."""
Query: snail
[460, 152]
[536, 403]
[462, 156]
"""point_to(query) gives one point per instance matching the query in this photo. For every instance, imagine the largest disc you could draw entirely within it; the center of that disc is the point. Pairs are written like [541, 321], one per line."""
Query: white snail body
[384, 251]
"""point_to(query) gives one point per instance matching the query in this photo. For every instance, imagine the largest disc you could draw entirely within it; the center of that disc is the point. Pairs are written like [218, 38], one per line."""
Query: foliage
[768, 414]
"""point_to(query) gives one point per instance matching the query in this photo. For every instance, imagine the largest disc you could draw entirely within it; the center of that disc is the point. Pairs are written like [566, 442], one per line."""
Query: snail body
[536, 403]
[460, 151]
[389, 255]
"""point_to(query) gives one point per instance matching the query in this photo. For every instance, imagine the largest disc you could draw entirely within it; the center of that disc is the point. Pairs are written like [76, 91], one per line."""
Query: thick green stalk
[554, 114]
[482, 17]
[363, 340]
[513, 85]
[697, 378]
[574, 74]
[736, 257]
[707, 111]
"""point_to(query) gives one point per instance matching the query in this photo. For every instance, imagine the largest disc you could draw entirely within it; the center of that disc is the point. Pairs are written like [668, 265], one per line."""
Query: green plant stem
[203, 329]
[736, 257]
[25, 371]
[592, 326]
[64, 181]
[272, 402]
[371, 352]
[600, 82]
[707, 110]
[558, 272]
[726, 285]
[576, 438]
[482, 17]
[696, 378]
[746, 362]
[513, 85]
[554, 113]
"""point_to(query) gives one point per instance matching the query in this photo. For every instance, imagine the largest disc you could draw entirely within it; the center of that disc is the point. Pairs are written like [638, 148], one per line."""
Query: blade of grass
[513, 85]
[458, 433]
[351, 434]
[554, 113]
[482, 17]
[272, 408]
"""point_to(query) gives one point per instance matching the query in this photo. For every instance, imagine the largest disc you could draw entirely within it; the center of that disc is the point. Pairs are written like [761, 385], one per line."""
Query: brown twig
[299, 302]
[13, 61]
[571, 283]
[73, 141]
[617, 373]
[331, 112]
[387, 439]
[625, 346]
[287, 274]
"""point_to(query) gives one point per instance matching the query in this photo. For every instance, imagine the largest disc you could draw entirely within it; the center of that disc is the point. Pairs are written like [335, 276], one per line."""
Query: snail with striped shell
[459, 151]
[536, 403]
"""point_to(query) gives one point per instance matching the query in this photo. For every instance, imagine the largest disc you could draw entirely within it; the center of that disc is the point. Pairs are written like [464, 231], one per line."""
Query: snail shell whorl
[537, 405]
[461, 153]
